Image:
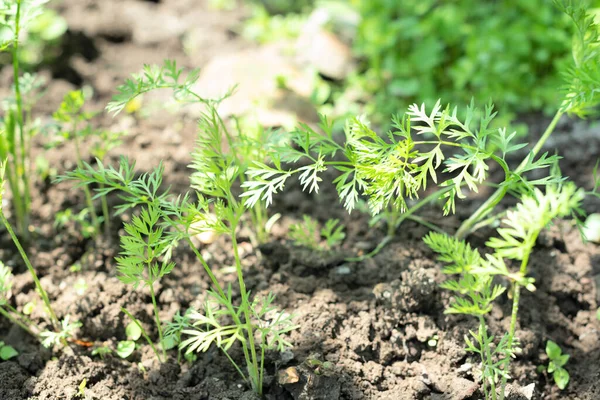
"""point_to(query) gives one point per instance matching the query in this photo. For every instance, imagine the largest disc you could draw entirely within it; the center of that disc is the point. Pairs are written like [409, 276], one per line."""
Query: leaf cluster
[212, 327]
[583, 78]
[67, 328]
[450, 148]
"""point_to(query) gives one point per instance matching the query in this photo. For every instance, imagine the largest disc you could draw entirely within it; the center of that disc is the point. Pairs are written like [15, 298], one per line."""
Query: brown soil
[371, 320]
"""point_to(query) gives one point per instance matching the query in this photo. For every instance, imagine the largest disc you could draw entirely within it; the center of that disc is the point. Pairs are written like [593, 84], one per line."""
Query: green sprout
[67, 328]
[556, 364]
[308, 234]
[126, 347]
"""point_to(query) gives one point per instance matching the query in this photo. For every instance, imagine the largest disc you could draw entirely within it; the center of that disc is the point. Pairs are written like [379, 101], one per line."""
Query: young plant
[126, 347]
[556, 364]
[101, 351]
[140, 263]
[174, 331]
[60, 337]
[15, 132]
[392, 172]
[165, 220]
[474, 287]
[308, 234]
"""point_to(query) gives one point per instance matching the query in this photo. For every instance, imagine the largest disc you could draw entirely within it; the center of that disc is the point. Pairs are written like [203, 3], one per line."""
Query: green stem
[17, 322]
[253, 368]
[158, 323]
[144, 334]
[511, 335]
[20, 163]
[105, 214]
[467, 226]
[38, 285]
[515, 309]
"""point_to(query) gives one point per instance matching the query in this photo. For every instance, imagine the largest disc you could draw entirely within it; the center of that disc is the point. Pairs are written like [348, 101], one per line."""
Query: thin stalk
[237, 368]
[253, 362]
[262, 366]
[20, 163]
[38, 285]
[515, 310]
[144, 334]
[17, 322]
[401, 218]
[467, 226]
[392, 217]
[511, 334]
[105, 213]
[86, 189]
[158, 323]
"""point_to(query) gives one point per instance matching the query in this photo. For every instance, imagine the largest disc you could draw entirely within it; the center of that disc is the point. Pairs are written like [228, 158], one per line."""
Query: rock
[258, 74]
[326, 53]
[322, 49]
[514, 392]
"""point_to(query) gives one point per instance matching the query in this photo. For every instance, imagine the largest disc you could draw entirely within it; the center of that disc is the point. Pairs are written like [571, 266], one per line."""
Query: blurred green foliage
[422, 50]
[42, 42]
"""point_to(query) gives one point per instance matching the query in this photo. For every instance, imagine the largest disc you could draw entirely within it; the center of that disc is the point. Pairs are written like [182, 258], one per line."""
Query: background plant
[75, 125]
[308, 234]
[41, 42]
[510, 51]
[15, 137]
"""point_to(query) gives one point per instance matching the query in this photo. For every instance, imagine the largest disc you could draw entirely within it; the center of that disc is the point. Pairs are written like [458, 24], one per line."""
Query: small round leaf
[7, 352]
[561, 377]
[133, 331]
[125, 348]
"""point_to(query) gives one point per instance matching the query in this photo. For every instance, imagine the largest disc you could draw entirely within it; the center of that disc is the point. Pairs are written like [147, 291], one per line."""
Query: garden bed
[372, 329]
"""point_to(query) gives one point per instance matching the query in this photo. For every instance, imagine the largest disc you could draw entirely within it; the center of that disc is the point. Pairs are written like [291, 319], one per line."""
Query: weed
[101, 351]
[126, 347]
